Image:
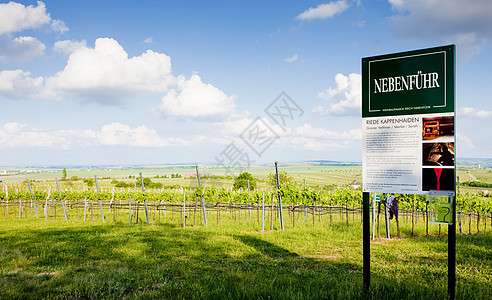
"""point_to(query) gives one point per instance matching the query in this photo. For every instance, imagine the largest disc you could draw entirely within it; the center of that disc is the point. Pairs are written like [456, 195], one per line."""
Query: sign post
[408, 129]
[376, 198]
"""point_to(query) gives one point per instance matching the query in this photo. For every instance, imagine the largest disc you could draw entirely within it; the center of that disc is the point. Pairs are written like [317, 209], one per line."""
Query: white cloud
[464, 141]
[193, 98]
[308, 131]
[16, 17]
[320, 139]
[323, 11]
[397, 4]
[117, 134]
[467, 45]
[16, 135]
[68, 46]
[237, 124]
[303, 137]
[466, 23]
[345, 97]
[59, 26]
[106, 75]
[17, 84]
[291, 59]
[474, 113]
[148, 40]
[23, 48]
[314, 144]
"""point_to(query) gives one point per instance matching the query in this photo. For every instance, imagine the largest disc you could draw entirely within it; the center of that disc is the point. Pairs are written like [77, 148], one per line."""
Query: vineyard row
[191, 211]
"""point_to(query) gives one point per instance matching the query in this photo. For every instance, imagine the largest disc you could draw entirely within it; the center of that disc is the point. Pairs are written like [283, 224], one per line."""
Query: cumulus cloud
[16, 17]
[105, 74]
[320, 139]
[345, 98]
[467, 44]
[300, 142]
[323, 11]
[117, 134]
[464, 141]
[303, 137]
[291, 59]
[59, 26]
[16, 135]
[239, 124]
[474, 113]
[193, 98]
[17, 84]
[466, 23]
[307, 130]
[23, 48]
[235, 125]
[68, 46]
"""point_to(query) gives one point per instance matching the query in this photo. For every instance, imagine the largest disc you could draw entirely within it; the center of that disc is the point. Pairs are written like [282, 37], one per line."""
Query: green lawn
[234, 260]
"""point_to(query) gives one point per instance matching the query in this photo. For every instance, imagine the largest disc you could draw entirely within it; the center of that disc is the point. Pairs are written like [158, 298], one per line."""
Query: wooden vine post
[145, 200]
[201, 196]
[279, 197]
[100, 201]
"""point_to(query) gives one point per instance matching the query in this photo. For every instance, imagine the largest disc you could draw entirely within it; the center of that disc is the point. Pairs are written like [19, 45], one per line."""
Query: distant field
[475, 174]
[314, 175]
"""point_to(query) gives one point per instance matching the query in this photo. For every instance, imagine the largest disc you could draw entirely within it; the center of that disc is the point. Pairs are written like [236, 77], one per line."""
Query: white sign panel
[411, 154]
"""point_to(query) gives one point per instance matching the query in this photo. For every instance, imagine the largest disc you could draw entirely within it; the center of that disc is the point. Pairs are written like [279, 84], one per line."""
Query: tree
[285, 179]
[148, 183]
[241, 181]
[64, 177]
[89, 181]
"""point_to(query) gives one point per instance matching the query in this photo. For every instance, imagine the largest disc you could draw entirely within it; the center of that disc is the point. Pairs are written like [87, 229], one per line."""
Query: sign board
[408, 137]
[408, 121]
[440, 207]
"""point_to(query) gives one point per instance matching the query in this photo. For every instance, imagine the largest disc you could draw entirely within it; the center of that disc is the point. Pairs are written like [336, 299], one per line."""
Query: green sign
[408, 83]
[440, 208]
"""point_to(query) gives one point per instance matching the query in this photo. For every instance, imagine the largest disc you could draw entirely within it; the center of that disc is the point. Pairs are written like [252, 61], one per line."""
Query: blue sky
[156, 82]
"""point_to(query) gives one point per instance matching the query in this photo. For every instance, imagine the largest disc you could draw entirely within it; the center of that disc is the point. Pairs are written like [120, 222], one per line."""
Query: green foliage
[122, 184]
[285, 179]
[64, 177]
[336, 196]
[149, 184]
[477, 184]
[216, 177]
[89, 181]
[241, 181]
[146, 180]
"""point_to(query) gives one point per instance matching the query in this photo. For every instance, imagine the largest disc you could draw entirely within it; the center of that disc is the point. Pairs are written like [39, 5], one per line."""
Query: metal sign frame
[389, 88]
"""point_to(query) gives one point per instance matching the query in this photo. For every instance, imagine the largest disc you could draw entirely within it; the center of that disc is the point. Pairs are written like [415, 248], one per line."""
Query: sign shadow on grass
[264, 247]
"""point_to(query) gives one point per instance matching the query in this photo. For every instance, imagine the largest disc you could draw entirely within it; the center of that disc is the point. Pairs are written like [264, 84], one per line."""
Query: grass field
[58, 259]
[235, 260]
